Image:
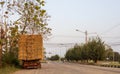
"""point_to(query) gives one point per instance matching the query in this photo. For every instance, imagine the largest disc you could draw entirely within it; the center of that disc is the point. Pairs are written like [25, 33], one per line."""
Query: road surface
[69, 68]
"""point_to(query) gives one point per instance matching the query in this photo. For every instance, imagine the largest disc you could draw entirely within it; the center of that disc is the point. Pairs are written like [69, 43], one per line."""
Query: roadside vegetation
[8, 70]
[93, 51]
[31, 18]
[54, 58]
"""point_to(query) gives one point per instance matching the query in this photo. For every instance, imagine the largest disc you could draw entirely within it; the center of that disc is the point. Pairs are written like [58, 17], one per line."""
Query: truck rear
[30, 50]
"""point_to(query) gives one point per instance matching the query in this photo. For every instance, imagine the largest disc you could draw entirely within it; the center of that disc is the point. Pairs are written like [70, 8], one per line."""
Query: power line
[110, 29]
[68, 36]
[86, 34]
[115, 44]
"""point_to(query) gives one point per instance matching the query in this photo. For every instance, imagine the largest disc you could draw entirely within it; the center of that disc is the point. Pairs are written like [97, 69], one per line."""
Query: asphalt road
[69, 68]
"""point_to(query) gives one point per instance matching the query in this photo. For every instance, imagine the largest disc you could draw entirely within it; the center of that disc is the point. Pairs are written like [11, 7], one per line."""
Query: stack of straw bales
[30, 47]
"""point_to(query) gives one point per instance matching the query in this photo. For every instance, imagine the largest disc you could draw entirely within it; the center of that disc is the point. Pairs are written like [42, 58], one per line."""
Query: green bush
[55, 57]
[9, 59]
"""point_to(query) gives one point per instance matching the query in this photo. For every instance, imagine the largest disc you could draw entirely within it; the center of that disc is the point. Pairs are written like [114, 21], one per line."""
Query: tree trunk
[0, 55]
[95, 61]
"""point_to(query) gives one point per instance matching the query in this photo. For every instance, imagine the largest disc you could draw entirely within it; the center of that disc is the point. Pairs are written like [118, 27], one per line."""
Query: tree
[84, 52]
[55, 57]
[1, 44]
[116, 56]
[109, 54]
[93, 50]
[96, 49]
[74, 53]
[32, 19]
[77, 52]
[3, 30]
[68, 55]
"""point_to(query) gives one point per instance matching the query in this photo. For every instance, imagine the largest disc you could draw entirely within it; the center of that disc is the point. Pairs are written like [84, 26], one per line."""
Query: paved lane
[69, 68]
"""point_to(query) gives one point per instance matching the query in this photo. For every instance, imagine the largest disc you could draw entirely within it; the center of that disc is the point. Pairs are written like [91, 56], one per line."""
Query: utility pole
[86, 35]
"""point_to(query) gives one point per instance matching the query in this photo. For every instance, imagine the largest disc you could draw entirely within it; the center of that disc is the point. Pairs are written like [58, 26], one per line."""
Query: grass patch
[8, 70]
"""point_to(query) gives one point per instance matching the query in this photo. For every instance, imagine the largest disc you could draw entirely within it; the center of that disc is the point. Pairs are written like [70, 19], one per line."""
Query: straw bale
[30, 47]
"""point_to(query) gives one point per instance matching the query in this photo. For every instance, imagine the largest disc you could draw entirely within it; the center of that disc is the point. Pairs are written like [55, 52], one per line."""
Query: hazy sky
[100, 16]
